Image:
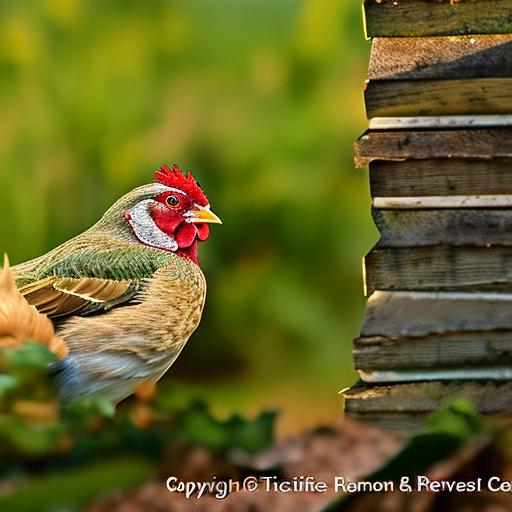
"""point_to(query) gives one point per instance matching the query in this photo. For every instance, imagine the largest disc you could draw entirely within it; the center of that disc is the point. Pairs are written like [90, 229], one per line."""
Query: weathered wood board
[399, 18]
[402, 424]
[387, 98]
[441, 177]
[452, 350]
[455, 227]
[440, 76]
[439, 268]
[441, 58]
[488, 396]
[420, 314]
[475, 143]
[404, 407]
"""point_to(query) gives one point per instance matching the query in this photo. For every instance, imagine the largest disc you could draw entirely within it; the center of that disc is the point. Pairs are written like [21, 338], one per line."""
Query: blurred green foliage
[32, 424]
[66, 456]
[261, 100]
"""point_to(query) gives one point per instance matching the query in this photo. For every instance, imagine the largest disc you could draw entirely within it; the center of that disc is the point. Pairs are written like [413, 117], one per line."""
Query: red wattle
[203, 232]
[185, 235]
[190, 252]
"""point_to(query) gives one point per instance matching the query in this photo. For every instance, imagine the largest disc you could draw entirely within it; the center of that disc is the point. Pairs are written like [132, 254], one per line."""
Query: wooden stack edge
[410, 18]
[485, 355]
[442, 202]
[443, 175]
[438, 324]
[440, 76]
[439, 268]
[465, 143]
[419, 336]
[440, 277]
[404, 407]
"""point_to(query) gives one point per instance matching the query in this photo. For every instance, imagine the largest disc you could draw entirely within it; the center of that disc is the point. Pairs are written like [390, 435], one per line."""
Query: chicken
[126, 294]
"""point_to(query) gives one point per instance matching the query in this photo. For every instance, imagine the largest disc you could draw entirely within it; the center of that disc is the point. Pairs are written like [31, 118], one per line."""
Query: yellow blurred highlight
[318, 26]
[64, 12]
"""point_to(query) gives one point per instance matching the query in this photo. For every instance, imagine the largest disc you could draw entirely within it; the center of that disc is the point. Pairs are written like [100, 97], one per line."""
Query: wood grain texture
[423, 144]
[441, 177]
[402, 425]
[391, 18]
[420, 314]
[387, 98]
[461, 350]
[427, 58]
[488, 396]
[455, 227]
[406, 424]
[439, 76]
[439, 268]
[404, 407]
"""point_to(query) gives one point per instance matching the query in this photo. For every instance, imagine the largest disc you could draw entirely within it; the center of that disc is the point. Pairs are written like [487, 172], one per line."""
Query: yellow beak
[204, 214]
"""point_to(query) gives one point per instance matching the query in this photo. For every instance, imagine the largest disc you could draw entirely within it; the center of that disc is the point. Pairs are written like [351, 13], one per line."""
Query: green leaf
[81, 409]
[7, 382]
[197, 425]
[29, 355]
[459, 418]
[252, 436]
[28, 439]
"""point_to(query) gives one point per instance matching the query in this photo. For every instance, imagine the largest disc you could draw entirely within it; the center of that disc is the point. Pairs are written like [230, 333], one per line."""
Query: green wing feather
[86, 282]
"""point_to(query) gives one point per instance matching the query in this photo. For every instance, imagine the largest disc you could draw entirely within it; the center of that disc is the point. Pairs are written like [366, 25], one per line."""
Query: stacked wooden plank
[438, 323]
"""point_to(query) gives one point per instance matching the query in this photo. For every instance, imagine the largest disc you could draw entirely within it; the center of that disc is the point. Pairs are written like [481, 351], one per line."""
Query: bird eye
[173, 200]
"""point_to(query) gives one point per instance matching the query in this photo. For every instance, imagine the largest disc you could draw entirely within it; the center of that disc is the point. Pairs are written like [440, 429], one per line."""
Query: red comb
[176, 179]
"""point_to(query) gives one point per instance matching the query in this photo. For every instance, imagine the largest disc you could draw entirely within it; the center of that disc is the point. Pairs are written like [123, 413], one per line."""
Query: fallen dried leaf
[21, 322]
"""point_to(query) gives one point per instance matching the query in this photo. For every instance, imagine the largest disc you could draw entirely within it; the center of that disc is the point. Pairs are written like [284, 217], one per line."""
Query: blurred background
[262, 100]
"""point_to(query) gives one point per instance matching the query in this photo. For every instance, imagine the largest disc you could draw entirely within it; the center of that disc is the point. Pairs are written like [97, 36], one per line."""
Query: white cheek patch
[146, 230]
